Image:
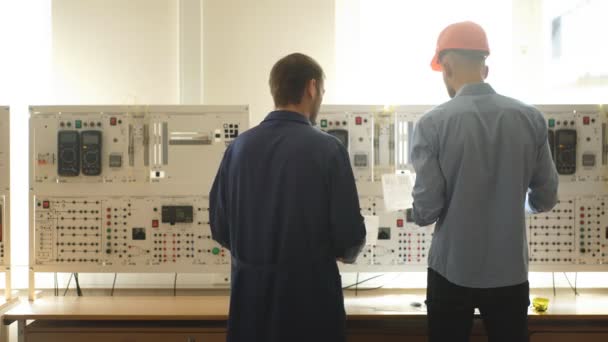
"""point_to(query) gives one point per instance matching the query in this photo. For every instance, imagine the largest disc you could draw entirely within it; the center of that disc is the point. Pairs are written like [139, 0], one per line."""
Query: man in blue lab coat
[284, 203]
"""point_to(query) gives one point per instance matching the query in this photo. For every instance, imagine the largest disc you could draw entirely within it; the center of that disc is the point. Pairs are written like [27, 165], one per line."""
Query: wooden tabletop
[5, 304]
[367, 305]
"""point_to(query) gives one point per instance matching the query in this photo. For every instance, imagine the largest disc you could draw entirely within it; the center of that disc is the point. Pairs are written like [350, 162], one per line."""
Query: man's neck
[471, 80]
[295, 108]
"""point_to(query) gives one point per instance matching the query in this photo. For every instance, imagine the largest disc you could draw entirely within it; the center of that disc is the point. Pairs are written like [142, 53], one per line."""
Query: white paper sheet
[398, 191]
[371, 227]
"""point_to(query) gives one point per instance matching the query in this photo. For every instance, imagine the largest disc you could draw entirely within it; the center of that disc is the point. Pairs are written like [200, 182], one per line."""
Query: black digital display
[68, 152]
[341, 134]
[567, 139]
[565, 151]
[68, 137]
[90, 139]
[177, 214]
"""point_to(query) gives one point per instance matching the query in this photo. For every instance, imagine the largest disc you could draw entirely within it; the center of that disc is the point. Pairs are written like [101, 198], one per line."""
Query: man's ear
[486, 71]
[312, 88]
[446, 65]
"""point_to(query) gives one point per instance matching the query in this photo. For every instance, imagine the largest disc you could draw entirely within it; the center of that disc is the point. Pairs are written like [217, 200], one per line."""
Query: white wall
[25, 73]
[115, 52]
[242, 39]
[103, 52]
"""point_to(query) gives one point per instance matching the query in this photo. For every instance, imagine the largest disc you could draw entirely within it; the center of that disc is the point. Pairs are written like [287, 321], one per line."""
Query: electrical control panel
[4, 186]
[398, 243]
[125, 189]
[378, 140]
[355, 129]
[123, 145]
[577, 136]
[130, 234]
[573, 236]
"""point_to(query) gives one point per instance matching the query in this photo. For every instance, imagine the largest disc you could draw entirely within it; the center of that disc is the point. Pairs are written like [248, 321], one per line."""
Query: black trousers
[504, 311]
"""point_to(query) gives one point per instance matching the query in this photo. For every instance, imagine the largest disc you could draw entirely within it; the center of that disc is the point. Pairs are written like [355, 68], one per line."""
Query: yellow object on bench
[540, 304]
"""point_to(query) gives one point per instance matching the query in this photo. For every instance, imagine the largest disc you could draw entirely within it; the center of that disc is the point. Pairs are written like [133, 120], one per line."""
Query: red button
[113, 121]
[154, 223]
[358, 120]
[399, 223]
[46, 204]
[585, 120]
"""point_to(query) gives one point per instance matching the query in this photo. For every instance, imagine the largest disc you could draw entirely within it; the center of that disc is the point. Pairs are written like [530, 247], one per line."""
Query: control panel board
[129, 234]
[125, 189]
[5, 186]
[378, 140]
[572, 237]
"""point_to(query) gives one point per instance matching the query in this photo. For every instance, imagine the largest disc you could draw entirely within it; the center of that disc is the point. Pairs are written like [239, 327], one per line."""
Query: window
[541, 51]
[384, 47]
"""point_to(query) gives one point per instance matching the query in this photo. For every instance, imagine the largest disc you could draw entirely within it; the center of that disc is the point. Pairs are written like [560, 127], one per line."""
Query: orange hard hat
[465, 35]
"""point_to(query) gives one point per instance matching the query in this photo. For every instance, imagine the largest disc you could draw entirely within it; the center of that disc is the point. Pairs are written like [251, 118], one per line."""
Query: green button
[551, 122]
[323, 123]
[215, 251]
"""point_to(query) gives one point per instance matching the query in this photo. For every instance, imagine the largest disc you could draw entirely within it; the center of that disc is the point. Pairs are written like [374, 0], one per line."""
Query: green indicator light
[551, 122]
[323, 123]
[215, 251]
[78, 124]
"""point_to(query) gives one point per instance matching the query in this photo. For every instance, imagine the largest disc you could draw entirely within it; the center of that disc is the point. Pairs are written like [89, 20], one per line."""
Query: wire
[175, 285]
[78, 290]
[113, 285]
[56, 286]
[68, 286]
[571, 287]
[553, 275]
[381, 286]
[368, 289]
[361, 282]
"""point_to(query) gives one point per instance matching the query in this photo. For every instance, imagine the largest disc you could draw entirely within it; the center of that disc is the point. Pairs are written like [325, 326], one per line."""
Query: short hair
[471, 56]
[289, 77]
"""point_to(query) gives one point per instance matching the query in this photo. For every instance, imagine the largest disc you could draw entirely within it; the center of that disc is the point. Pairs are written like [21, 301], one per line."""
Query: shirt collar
[287, 116]
[476, 89]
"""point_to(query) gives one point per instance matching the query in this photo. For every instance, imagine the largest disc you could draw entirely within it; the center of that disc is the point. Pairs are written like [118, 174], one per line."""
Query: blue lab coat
[284, 202]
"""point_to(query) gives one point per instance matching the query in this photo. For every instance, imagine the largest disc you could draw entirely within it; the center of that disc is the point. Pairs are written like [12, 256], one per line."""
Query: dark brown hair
[289, 77]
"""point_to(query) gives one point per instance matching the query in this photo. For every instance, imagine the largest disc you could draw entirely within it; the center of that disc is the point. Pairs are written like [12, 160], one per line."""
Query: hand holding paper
[398, 190]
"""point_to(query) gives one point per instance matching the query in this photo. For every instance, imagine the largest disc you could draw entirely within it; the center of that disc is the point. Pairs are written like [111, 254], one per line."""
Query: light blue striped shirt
[476, 158]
